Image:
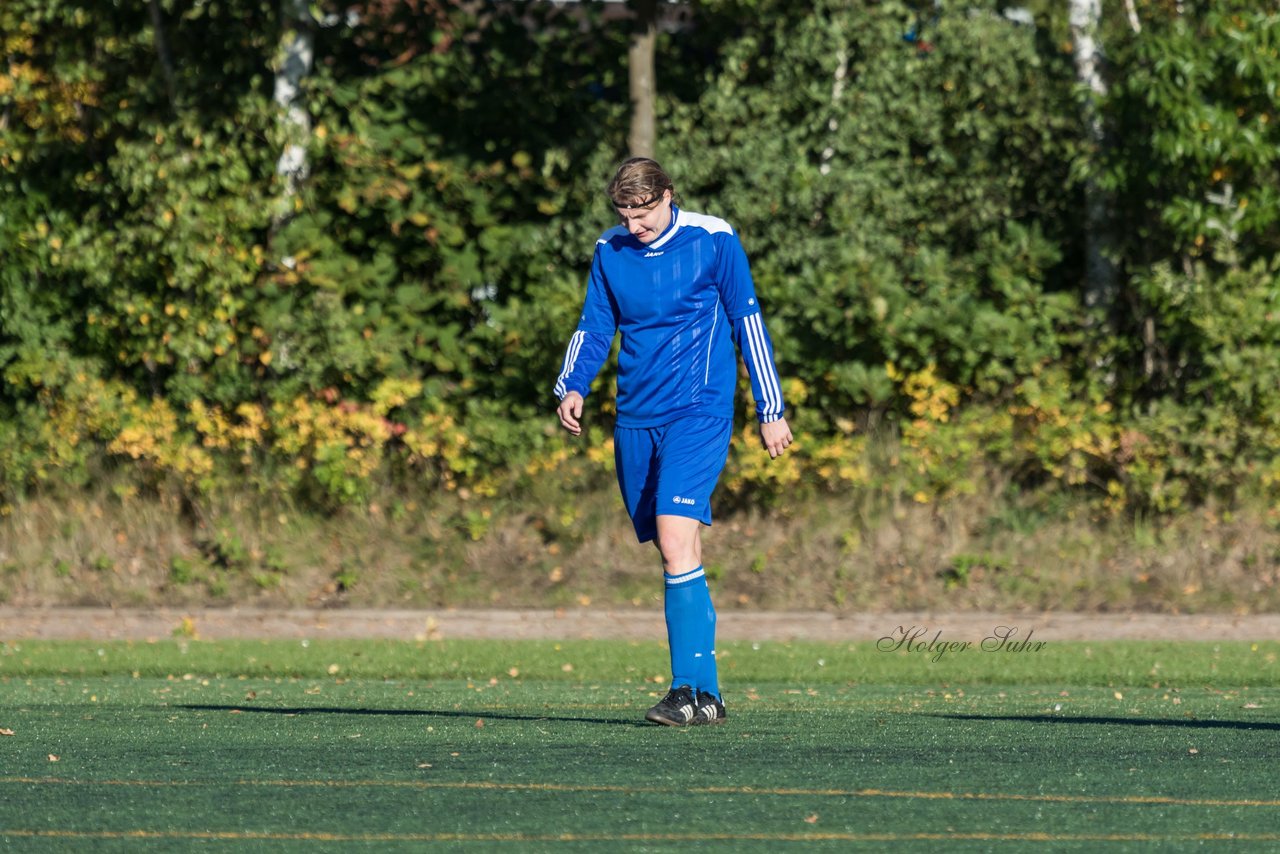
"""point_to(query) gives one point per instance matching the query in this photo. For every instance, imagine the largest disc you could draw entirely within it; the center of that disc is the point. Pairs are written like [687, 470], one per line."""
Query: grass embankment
[561, 546]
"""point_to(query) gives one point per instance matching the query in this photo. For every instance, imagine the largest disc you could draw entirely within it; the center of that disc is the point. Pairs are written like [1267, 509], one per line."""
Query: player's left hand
[776, 436]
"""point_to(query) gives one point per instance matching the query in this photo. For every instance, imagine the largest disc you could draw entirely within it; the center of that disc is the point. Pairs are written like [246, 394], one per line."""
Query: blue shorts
[670, 470]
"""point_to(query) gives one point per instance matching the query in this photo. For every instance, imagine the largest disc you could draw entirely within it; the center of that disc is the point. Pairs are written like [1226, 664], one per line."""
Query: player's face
[646, 219]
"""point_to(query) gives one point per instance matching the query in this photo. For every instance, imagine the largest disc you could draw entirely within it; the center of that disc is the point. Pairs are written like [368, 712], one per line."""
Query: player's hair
[639, 178]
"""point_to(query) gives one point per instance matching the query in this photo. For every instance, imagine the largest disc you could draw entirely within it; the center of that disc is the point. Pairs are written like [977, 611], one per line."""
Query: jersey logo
[679, 500]
[652, 254]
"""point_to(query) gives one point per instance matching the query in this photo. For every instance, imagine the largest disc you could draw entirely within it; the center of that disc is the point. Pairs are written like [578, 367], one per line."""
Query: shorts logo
[679, 500]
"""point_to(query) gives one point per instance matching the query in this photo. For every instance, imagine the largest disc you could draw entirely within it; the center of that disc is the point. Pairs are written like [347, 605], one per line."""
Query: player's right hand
[570, 411]
[776, 436]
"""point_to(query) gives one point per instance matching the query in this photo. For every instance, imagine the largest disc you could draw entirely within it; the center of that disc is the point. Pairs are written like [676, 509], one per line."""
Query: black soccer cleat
[675, 709]
[710, 710]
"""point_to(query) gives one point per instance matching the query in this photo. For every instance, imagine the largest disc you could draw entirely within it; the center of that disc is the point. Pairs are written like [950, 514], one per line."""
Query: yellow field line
[633, 837]
[1161, 800]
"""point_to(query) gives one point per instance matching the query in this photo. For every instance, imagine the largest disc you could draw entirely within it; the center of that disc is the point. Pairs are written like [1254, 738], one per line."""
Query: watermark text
[925, 641]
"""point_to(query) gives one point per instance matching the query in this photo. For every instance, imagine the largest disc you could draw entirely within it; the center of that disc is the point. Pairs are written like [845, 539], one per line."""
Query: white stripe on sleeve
[570, 360]
[766, 374]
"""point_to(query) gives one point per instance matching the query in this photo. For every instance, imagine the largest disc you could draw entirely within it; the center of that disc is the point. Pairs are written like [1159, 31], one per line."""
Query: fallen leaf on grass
[479, 723]
[7, 732]
[811, 819]
[1251, 706]
[53, 758]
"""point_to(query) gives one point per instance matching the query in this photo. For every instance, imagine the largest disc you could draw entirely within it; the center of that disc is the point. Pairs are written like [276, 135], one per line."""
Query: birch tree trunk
[641, 141]
[837, 94]
[1100, 275]
[1132, 12]
[297, 53]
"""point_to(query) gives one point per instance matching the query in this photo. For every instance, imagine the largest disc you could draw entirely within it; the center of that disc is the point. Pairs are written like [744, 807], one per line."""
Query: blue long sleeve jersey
[682, 303]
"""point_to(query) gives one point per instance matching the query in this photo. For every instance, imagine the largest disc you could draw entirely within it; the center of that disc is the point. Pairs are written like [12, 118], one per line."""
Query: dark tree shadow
[1186, 723]
[429, 713]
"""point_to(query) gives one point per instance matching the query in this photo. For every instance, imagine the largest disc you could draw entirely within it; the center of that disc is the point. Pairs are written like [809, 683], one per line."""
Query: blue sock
[708, 677]
[684, 604]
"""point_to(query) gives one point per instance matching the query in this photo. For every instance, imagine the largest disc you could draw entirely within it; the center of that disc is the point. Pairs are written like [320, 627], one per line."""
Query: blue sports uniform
[682, 303]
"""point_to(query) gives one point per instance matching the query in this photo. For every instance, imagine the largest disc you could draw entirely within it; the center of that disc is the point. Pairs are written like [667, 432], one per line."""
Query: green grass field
[530, 746]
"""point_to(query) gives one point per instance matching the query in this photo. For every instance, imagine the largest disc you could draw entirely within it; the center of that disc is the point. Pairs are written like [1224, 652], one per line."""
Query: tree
[643, 86]
[1100, 274]
[297, 54]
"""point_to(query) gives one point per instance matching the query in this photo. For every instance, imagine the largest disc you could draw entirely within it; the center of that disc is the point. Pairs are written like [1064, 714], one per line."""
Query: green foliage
[1196, 164]
[1194, 171]
[1215, 434]
[896, 202]
[436, 198]
[907, 181]
[966, 568]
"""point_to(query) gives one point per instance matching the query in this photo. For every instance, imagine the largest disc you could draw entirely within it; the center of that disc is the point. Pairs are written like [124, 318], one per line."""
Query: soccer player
[678, 287]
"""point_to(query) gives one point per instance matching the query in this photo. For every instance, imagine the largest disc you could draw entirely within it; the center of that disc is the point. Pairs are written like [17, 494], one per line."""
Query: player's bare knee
[678, 560]
[680, 547]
